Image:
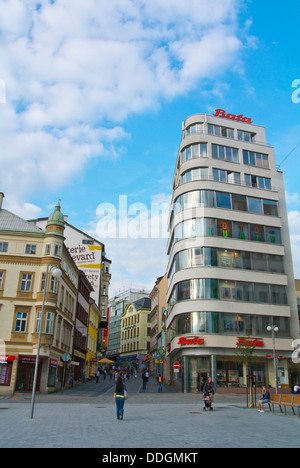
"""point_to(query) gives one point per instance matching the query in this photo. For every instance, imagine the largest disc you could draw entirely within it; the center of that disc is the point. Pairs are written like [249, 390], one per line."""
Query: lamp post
[56, 273]
[274, 330]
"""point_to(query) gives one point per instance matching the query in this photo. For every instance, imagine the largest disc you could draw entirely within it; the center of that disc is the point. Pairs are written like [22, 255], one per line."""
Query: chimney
[1, 199]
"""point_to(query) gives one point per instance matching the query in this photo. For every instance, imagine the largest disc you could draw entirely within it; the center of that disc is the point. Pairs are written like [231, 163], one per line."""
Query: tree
[245, 355]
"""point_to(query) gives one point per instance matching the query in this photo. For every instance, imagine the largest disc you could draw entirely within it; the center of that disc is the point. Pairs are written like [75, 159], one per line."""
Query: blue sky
[95, 93]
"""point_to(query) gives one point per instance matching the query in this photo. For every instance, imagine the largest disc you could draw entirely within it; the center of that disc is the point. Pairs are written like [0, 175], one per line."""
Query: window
[257, 233]
[223, 200]
[3, 247]
[256, 159]
[259, 262]
[259, 182]
[273, 235]
[241, 231]
[57, 250]
[246, 136]
[276, 264]
[270, 207]
[225, 153]
[239, 202]
[194, 129]
[262, 293]
[47, 249]
[38, 322]
[1, 279]
[220, 131]
[49, 323]
[195, 174]
[224, 228]
[255, 205]
[26, 280]
[21, 322]
[194, 151]
[226, 176]
[30, 249]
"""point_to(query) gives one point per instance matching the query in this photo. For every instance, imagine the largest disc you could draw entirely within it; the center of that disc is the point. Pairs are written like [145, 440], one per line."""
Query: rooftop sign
[238, 118]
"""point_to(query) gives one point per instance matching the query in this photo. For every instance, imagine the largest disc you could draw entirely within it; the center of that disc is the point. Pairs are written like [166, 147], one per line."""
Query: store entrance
[202, 378]
[25, 378]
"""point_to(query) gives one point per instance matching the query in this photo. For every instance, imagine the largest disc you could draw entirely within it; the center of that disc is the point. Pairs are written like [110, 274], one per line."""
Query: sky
[92, 99]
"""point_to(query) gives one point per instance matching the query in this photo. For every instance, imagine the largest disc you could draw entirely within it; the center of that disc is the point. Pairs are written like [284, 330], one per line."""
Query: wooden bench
[286, 401]
[275, 400]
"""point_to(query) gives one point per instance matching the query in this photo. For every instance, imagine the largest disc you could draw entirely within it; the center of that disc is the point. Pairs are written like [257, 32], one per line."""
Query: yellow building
[91, 355]
[135, 329]
[26, 253]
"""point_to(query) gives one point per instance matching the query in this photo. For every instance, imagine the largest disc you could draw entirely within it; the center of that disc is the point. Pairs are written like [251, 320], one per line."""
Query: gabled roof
[13, 223]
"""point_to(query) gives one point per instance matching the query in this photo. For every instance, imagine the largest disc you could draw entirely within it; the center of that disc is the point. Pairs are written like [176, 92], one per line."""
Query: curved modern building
[230, 265]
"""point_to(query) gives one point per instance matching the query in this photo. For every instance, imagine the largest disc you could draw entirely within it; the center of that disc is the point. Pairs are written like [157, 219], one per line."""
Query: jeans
[120, 406]
[160, 388]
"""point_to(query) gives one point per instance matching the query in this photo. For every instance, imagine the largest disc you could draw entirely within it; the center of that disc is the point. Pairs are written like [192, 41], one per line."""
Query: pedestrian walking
[97, 376]
[145, 380]
[119, 396]
[159, 382]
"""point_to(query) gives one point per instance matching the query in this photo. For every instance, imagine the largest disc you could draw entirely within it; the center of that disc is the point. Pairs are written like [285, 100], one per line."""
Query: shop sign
[7, 358]
[29, 360]
[238, 118]
[190, 341]
[255, 343]
[53, 363]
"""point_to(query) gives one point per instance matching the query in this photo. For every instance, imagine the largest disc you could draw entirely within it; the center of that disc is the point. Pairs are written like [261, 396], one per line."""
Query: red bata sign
[244, 342]
[238, 118]
[190, 341]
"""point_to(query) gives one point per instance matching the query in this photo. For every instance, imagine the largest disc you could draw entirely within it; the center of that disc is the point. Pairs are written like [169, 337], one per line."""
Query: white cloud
[75, 70]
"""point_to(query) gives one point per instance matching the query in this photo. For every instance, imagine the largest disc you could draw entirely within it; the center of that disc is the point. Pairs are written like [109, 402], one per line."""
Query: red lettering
[190, 341]
[238, 118]
[220, 113]
[254, 343]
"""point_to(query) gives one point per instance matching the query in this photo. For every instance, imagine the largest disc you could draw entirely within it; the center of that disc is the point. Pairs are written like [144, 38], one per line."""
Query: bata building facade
[230, 265]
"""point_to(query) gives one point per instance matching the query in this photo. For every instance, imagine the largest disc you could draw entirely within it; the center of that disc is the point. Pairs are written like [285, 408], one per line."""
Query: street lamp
[56, 273]
[274, 330]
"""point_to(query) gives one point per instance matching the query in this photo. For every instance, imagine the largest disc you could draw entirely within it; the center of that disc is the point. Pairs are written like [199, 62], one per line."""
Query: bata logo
[191, 341]
[245, 342]
[238, 118]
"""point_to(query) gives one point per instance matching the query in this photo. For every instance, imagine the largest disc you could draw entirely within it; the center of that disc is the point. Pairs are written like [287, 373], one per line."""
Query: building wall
[213, 211]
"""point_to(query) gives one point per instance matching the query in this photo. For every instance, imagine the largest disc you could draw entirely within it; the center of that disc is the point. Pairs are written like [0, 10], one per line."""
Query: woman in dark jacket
[119, 397]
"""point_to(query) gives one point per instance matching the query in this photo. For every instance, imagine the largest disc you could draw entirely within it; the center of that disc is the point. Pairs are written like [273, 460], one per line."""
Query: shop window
[257, 233]
[224, 228]
[241, 231]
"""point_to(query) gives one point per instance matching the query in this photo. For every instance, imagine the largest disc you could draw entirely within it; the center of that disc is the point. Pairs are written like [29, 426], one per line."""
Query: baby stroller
[207, 402]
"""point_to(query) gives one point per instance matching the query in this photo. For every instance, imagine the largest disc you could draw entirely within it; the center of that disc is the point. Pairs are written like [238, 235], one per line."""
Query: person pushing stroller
[208, 394]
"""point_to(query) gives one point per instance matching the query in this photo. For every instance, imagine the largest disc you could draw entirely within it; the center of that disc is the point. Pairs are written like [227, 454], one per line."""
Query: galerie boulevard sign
[237, 118]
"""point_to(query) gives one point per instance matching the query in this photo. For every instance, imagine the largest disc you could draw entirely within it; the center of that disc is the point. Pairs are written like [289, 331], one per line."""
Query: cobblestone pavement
[85, 417]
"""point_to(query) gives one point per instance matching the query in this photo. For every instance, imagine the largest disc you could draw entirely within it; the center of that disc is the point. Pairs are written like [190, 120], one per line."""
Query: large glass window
[223, 200]
[241, 231]
[194, 151]
[220, 131]
[255, 205]
[225, 153]
[239, 202]
[256, 159]
[262, 293]
[257, 233]
[273, 235]
[270, 207]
